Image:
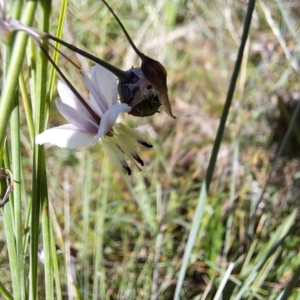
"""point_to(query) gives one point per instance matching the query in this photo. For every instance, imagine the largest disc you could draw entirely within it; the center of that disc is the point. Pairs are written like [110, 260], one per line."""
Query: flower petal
[109, 119]
[69, 98]
[65, 136]
[103, 78]
[96, 93]
[95, 107]
[76, 118]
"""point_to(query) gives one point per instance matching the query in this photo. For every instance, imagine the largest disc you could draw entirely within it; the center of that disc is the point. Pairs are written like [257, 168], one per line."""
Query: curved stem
[137, 51]
[122, 75]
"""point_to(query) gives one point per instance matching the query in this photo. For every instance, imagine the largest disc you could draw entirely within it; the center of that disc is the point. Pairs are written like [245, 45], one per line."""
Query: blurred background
[123, 237]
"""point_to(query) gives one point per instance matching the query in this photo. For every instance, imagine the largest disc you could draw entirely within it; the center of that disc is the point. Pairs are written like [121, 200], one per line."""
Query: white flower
[95, 119]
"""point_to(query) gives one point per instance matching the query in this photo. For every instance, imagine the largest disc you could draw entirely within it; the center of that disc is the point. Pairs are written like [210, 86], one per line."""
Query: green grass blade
[52, 86]
[41, 86]
[192, 237]
[292, 283]
[39, 187]
[231, 199]
[100, 292]
[47, 243]
[56, 273]
[225, 279]
[266, 252]
[143, 201]
[5, 292]
[86, 199]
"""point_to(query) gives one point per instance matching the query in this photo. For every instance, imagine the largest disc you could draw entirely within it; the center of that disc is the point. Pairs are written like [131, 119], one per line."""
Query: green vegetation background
[122, 237]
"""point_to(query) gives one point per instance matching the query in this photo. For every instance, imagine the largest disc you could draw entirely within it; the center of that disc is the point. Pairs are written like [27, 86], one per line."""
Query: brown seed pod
[140, 96]
[154, 75]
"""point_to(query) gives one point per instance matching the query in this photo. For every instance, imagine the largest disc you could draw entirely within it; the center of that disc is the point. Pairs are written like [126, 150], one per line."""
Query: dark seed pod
[141, 97]
[148, 107]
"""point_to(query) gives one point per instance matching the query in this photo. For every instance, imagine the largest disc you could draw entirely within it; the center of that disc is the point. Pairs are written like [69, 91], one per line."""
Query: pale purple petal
[96, 93]
[94, 105]
[76, 118]
[107, 82]
[65, 136]
[109, 119]
[69, 98]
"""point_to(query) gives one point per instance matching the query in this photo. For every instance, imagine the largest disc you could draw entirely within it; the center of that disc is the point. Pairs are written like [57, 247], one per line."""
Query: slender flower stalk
[118, 140]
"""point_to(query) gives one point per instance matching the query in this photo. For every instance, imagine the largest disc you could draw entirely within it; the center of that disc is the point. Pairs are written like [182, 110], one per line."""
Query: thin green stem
[52, 83]
[212, 162]
[5, 292]
[31, 62]
[56, 273]
[39, 186]
[16, 9]
[27, 106]
[46, 229]
[230, 93]
[59, 32]
[8, 221]
[40, 195]
[86, 190]
[16, 169]
[11, 81]
[99, 235]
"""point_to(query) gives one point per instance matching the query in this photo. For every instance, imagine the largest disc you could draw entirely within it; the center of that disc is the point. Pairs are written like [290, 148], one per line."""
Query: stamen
[138, 159]
[138, 167]
[120, 148]
[126, 167]
[144, 143]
